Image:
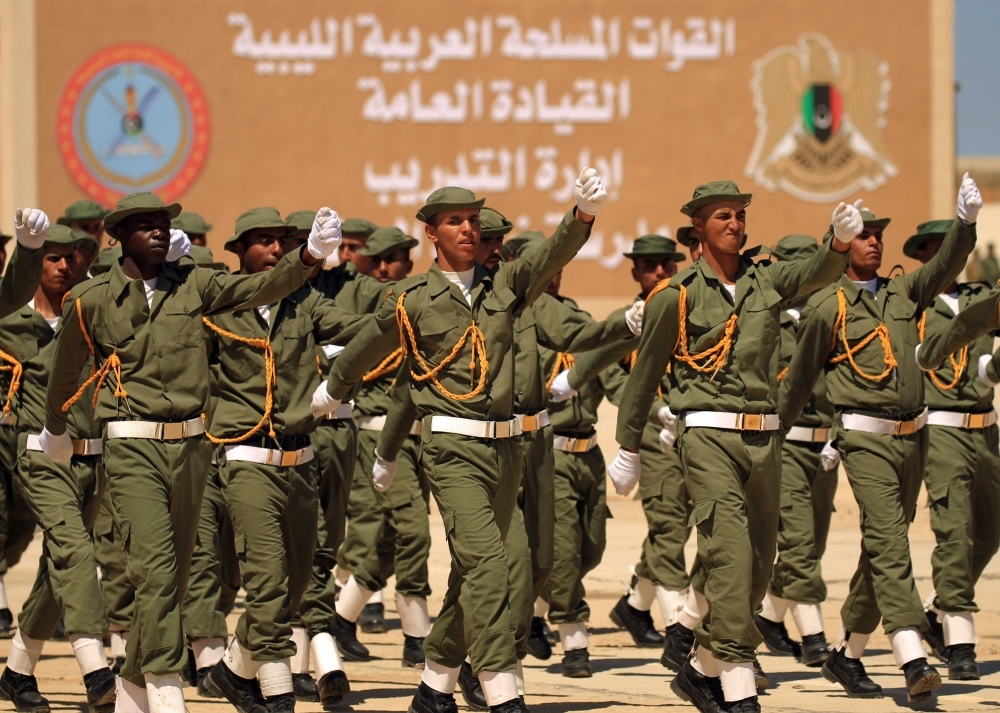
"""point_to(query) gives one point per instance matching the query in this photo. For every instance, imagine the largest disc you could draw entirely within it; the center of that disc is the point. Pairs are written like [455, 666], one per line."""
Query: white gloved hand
[984, 361]
[847, 222]
[969, 200]
[560, 389]
[829, 457]
[325, 236]
[383, 472]
[332, 260]
[322, 403]
[633, 317]
[667, 417]
[31, 225]
[624, 471]
[58, 448]
[180, 245]
[667, 438]
[589, 192]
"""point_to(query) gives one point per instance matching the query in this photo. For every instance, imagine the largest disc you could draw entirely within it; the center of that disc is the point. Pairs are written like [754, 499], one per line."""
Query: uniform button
[159, 353]
[166, 388]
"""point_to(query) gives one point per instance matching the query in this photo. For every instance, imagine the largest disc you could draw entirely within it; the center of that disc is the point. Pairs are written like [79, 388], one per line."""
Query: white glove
[667, 417]
[633, 317]
[58, 448]
[624, 471]
[322, 403]
[560, 389]
[969, 200]
[667, 438]
[984, 361]
[31, 225]
[383, 471]
[847, 222]
[324, 238]
[829, 457]
[589, 192]
[332, 260]
[180, 245]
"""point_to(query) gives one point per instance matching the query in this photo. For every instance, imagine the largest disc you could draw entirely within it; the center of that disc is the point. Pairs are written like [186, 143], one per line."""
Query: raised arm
[222, 292]
[797, 279]
[812, 350]
[332, 324]
[927, 281]
[564, 329]
[968, 325]
[378, 338]
[24, 270]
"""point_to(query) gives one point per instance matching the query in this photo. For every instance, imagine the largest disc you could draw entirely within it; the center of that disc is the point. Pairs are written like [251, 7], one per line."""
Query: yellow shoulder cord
[389, 365]
[881, 331]
[782, 374]
[13, 366]
[111, 365]
[408, 343]
[958, 367]
[564, 361]
[713, 358]
[319, 367]
[270, 376]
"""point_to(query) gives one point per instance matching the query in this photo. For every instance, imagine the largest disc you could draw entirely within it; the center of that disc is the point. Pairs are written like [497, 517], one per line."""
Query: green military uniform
[118, 591]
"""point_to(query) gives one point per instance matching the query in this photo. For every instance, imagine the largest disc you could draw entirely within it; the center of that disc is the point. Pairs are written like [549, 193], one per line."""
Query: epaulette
[87, 285]
[407, 284]
[978, 284]
[821, 296]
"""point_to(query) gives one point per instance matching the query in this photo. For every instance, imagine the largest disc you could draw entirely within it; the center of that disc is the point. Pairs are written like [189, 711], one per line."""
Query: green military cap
[65, 235]
[655, 246]
[191, 223]
[4, 239]
[869, 219]
[135, 203]
[265, 217]
[303, 220]
[715, 192]
[448, 198]
[357, 226]
[513, 246]
[82, 210]
[926, 232]
[684, 235]
[494, 225]
[385, 239]
[105, 259]
[795, 247]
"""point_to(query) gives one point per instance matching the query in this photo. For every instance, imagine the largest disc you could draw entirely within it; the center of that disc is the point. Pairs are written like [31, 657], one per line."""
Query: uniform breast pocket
[297, 344]
[763, 316]
[438, 334]
[524, 331]
[705, 328]
[902, 314]
[240, 361]
[113, 335]
[871, 357]
[183, 314]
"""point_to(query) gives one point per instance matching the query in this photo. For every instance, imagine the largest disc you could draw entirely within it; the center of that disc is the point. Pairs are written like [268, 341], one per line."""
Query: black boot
[677, 647]
[60, 633]
[850, 673]
[760, 678]
[283, 703]
[962, 664]
[471, 689]
[101, 691]
[638, 623]
[815, 650]
[372, 619]
[538, 645]
[427, 700]
[304, 688]
[921, 680]
[332, 688]
[576, 664]
[243, 693]
[515, 705]
[346, 634]
[189, 674]
[934, 636]
[550, 636]
[703, 692]
[116, 665]
[776, 637]
[203, 690]
[6, 623]
[744, 705]
[413, 651]
[22, 691]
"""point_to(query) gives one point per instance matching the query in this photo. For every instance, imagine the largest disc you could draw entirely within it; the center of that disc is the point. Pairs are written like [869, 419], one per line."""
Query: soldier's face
[198, 239]
[348, 251]
[721, 226]
[866, 249]
[57, 268]
[650, 271]
[391, 266]
[294, 242]
[694, 247]
[93, 226]
[147, 237]
[929, 249]
[488, 255]
[84, 258]
[261, 249]
[456, 234]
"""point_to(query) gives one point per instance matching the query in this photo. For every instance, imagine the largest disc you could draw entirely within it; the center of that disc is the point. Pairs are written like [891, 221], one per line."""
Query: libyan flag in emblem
[821, 111]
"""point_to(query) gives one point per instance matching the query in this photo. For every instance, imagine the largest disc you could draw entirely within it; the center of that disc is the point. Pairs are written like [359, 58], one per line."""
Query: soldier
[688, 237]
[4, 239]
[141, 322]
[194, 226]
[862, 333]
[85, 215]
[356, 233]
[723, 306]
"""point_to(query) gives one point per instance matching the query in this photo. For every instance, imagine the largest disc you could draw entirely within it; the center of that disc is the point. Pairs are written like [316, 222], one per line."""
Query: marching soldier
[194, 226]
[86, 216]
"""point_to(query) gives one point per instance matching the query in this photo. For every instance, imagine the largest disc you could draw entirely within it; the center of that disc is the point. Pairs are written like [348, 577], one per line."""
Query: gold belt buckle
[289, 458]
[529, 423]
[751, 422]
[173, 431]
[501, 429]
[582, 445]
[820, 435]
[80, 447]
[905, 428]
[974, 420]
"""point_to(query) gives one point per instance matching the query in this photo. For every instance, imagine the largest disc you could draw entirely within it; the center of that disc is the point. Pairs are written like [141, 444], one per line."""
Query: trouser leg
[667, 508]
[519, 567]
[21, 519]
[109, 549]
[364, 511]
[539, 504]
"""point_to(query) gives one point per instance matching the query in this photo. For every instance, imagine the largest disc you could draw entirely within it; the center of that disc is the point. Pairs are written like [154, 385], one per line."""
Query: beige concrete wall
[18, 110]
[942, 198]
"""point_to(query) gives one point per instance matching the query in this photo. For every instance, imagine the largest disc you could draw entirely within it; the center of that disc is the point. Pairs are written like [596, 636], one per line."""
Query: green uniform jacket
[20, 279]
[818, 412]
[976, 319]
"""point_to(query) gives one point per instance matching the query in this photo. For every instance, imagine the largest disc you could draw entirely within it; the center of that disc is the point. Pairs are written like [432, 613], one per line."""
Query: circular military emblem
[133, 118]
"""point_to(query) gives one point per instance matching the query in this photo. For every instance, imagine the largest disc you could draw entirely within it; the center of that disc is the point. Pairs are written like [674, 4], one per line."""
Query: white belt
[533, 422]
[574, 445]
[345, 410]
[270, 456]
[7, 419]
[377, 423]
[156, 430]
[731, 421]
[885, 426]
[475, 429]
[808, 435]
[956, 419]
[81, 446]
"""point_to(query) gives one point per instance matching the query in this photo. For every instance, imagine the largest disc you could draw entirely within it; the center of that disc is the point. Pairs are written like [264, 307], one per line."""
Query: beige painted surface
[18, 110]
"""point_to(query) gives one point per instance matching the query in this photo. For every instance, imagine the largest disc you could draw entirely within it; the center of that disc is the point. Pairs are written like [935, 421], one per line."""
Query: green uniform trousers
[885, 474]
[734, 480]
[581, 522]
[109, 549]
[807, 492]
[475, 484]
[403, 543]
[522, 599]
[17, 520]
[215, 570]
[667, 514]
[539, 504]
[364, 511]
[275, 513]
[156, 488]
[963, 490]
[65, 499]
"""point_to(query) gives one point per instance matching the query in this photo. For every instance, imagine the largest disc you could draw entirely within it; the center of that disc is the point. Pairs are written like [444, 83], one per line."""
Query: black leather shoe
[538, 645]
[550, 636]
[638, 623]
[576, 664]
[760, 678]
[703, 692]
[471, 689]
[744, 705]
[284, 703]
[934, 636]
[203, 689]
[779, 643]
[677, 647]
[22, 691]
[189, 674]
[427, 700]
[850, 673]
[101, 691]
[116, 665]
[6, 623]
[962, 664]
[332, 688]
[304, 688]
[413, 651]
[515, 705]
[372, 619]
[346, 634]
[243, 693]
[815, 650]
[921, 680]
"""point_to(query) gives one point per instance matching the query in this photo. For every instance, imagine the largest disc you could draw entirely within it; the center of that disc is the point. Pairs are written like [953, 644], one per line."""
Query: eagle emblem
[820, 120]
